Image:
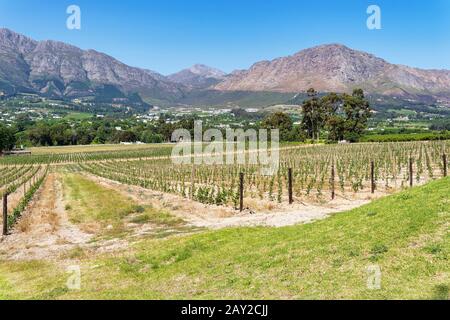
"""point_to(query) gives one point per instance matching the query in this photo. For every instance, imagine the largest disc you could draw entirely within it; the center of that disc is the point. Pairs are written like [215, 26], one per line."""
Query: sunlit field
[94, 148]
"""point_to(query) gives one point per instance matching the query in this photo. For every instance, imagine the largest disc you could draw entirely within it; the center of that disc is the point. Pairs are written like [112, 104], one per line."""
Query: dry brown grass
[91, 227]
[53, 219]
[259, 205]
[24, 224]
[46, 213]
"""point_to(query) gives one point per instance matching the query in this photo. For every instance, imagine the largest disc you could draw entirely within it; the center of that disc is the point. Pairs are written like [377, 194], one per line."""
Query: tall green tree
[357, 113]
[314, 115]
[40, 135]
[124, 136]
[7, 138]
[335, 117]
[281, 121]
[343, 116]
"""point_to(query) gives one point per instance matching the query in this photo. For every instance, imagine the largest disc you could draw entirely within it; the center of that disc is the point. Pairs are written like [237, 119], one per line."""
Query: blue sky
[169, 35]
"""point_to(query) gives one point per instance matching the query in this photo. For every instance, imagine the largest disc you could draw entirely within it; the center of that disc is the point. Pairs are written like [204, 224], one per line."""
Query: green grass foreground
[93, 207]
[405, 235]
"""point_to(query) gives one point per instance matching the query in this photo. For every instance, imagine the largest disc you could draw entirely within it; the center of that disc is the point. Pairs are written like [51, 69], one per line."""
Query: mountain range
[338, 68]
[58, 70]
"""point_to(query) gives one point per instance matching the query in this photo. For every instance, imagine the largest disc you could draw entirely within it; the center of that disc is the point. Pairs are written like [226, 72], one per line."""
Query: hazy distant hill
[198, 76]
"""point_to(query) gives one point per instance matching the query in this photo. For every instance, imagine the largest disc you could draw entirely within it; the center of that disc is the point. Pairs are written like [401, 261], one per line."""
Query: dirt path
[215, 217]
[44, 229]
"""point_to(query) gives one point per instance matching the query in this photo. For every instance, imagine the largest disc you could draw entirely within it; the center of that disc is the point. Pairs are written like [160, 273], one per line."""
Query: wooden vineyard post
[372, 176]
[191, 195]
[241, 191]
[444, 160]
[5, 214]
[291, 199]
[333, 174]
[410, 172]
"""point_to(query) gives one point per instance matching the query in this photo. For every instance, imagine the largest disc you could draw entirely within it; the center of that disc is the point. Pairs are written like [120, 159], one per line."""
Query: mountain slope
[56, 69]
[338, 68]
[198, 76]
[60, 70]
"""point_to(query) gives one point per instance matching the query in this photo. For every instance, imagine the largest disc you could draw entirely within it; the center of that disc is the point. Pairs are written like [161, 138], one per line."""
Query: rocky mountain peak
[10, 40]
[58, 69]
[336, 67]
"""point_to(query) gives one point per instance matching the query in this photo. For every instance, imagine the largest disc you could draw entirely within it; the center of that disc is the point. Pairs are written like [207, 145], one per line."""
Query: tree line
[332, 117]
[63, 132]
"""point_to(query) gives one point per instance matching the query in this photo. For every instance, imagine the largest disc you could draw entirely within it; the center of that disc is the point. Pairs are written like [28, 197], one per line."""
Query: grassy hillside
[405, 235]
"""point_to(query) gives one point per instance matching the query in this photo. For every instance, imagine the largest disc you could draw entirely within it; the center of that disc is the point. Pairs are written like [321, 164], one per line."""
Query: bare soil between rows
[265, 213]
[44, 232]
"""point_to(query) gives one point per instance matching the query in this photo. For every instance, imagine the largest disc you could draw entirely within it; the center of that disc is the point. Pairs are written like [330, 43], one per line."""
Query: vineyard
[17, 186]
[93, 153]
[317, 173]
[135, 214]
[77, 156]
